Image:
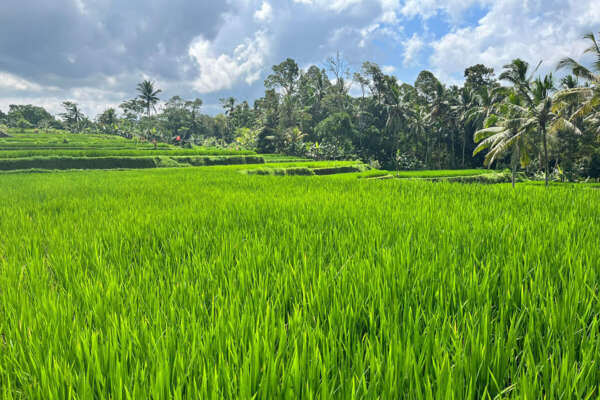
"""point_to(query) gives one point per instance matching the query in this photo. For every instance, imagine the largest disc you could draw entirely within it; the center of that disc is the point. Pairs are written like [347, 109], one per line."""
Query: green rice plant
[62, 163]
[120, 152]
[206, 283]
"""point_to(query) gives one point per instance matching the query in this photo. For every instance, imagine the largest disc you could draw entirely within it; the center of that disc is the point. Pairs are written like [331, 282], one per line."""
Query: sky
[94, 52]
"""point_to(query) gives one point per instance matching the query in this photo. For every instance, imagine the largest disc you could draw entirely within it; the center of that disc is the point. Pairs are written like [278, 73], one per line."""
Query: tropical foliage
[537, 124]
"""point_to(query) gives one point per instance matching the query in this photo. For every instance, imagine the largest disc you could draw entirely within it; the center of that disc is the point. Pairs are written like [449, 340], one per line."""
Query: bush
[408, 162]
[329, 150]
[339, 170]
[593, 167]
[23, 124]
[205, 161]
[299, 171]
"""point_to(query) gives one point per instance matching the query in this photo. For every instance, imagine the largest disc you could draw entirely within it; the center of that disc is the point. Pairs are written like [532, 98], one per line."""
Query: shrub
[408, 162]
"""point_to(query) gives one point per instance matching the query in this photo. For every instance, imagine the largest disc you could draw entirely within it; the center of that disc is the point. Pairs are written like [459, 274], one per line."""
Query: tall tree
[464, 104]
[148, 94]
[479, 76]
[73, 116]
[588, 96]
[285, 77]
[506, 132]
[108, 119]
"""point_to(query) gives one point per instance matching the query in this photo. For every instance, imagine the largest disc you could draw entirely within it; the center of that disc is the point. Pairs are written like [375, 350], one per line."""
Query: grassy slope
[209, 282]
[120, 152]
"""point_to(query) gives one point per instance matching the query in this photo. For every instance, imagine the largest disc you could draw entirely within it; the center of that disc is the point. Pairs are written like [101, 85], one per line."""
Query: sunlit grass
[206, 283]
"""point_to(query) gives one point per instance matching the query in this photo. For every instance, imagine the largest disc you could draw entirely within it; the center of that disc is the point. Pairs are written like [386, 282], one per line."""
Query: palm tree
[537, 95]
[548, 120]
[517, 73]
[395, 108]
[108, 119]
[148, 95]
[541, 112]
[228, 105]
[439, 116]
[587, 96]
[465, 102]
[506, 132]
[418, 127]
[569, 82]
[485, 104]
[73, 115]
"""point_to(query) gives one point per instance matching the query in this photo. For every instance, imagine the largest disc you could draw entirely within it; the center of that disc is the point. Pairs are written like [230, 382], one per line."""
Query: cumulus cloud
[222, 71]
[532, 30]
[388, 69]
[264, 13]
[13, 82]
[429, 8]
[96, 51]
[412, 49]
[335, 5]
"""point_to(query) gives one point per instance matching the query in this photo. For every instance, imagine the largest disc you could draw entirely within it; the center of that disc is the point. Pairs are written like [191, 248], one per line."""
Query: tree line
[515, 119]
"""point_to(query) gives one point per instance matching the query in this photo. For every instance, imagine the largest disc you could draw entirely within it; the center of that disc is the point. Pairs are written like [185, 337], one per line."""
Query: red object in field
[178, 138]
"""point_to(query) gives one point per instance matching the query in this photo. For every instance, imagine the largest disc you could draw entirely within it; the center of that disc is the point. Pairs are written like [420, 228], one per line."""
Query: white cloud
[389, 8]
[222, 71]
[429, 8]
[92, 100]
[517, 28]
[333, 5]
[390, 11]
[13, 82]
[388, 69]
[81, 7]
[412, 49]
[264, 13]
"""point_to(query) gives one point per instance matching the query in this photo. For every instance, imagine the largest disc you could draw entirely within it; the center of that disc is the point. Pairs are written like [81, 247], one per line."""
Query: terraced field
[250, 281]
[61, 150]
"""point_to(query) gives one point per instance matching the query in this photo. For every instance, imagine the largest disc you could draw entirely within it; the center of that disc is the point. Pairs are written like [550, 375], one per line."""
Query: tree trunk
[452, 149]
[515, 160]
[464, 144]
[427, 151]
[545, 154]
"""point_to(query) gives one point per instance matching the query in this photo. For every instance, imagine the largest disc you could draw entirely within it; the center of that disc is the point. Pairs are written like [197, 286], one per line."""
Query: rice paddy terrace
[288, 278]
[59, 151]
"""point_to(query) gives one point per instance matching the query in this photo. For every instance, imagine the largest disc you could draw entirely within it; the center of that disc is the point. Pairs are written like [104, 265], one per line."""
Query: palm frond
[577, 69]
[487, 132]
[561, 124]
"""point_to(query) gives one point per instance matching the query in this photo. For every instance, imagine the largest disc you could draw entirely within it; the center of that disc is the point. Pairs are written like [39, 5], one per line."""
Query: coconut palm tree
[515, 122]
[148, 95]
[505, 132]
[538, 98]
[462, 110]
[485, 104]
[569, 82]
[588, 96]
[518, 73]
[73, 116]
[418, 126]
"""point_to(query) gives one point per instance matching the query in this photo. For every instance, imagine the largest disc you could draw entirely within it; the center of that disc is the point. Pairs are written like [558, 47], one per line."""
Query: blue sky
[94, 52]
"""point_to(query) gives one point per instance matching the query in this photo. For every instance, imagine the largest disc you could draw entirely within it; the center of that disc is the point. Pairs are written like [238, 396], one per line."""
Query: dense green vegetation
[338, 247]
[537, 124]
[209, 283]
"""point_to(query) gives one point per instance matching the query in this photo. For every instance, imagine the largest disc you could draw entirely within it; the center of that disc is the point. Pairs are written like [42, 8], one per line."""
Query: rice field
[62, 140]
[208, 283]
